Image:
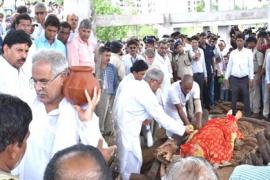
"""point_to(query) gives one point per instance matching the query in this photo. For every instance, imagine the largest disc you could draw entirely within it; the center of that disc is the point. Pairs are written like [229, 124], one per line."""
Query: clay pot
[78, 79]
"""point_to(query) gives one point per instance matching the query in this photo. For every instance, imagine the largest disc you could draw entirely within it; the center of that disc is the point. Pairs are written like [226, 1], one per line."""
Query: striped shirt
[248, 172]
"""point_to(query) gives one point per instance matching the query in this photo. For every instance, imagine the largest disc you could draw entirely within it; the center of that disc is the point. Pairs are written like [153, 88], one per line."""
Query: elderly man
[64, 164]
[13, 79]
[190, 168]
[240, 71]
[48, 40]
[142, 105]
[56, 123]
[73, 20]
[15, 118]
[180, 92]
[40, 15]
[80, 51]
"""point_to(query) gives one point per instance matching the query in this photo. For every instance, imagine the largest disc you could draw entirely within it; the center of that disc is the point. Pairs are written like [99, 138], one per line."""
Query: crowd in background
[171, 80]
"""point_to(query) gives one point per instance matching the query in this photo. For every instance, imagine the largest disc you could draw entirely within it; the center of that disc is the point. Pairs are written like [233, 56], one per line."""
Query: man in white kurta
[137, 102]
[13, 79]
[56, 124]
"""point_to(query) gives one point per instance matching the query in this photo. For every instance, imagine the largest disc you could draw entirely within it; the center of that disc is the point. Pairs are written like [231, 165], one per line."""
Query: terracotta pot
[78, 79]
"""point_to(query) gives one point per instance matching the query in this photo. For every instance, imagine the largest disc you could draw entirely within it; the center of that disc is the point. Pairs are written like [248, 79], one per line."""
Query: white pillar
[268, 16]
[223, 32]
[82, 8]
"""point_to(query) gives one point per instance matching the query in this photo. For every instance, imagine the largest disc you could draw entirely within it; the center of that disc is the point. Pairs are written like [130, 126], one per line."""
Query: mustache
[22, 59]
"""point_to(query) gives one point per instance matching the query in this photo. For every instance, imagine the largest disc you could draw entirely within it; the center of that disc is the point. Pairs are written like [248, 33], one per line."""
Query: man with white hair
[56, 123]
[136, 103]
[190, 168]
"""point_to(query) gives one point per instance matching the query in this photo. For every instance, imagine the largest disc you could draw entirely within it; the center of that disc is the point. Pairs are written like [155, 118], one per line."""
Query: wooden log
[255, 121]
[254, 159]
[154, 170]
[267, 133]
[262, 147]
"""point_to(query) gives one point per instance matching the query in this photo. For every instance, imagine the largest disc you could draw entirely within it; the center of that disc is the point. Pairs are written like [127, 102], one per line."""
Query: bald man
[76, 163]
[179, 94]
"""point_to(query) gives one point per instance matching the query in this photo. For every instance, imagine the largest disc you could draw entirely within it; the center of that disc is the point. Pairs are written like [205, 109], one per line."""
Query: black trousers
[199, 78]
[240, 85]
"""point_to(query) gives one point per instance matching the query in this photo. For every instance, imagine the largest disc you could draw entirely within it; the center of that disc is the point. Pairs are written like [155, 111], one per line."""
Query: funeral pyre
[225, 141]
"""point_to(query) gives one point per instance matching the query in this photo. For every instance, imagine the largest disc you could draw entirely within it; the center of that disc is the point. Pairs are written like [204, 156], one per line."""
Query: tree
[200, 7]
[105, 7]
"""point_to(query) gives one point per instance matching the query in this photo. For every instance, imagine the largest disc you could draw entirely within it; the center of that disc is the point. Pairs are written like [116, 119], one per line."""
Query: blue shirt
[42, 43]
[208, 56]
[248, 172]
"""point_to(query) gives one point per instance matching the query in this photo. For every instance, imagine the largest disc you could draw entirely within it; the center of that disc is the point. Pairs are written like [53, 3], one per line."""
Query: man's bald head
[187, 83]
[78, 162]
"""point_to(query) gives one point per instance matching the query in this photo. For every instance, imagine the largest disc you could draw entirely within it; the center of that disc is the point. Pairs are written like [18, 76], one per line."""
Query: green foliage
[144, 30]
[105, 7]
[200, 7]
[112, 33]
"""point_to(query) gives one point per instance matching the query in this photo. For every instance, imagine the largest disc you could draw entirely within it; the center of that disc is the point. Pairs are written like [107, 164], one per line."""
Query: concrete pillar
[268, 16]
[167, 27]
[206, 28]
[80, 7]
[224, 33]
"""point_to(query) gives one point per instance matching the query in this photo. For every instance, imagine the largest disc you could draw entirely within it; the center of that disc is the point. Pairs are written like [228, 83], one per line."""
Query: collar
[44, 39]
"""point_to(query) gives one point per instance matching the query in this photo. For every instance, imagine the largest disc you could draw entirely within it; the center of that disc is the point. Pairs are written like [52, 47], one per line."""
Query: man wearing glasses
[40, 15]
[13, 79]
[57, 124]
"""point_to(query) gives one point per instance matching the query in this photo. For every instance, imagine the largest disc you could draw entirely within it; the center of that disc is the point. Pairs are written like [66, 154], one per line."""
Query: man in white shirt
[198, 65]
[40, 15]
[13, 79]
[142, 104]
[56, 123]
[132, 56]
[163, 62]
[180, 92]
[240, 71]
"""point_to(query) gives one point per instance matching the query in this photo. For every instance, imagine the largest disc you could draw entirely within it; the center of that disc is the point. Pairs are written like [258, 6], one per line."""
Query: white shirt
[54, 131]
[267, 67]
[198, 66]
[176, 96]
[37, 32]
[240, 64]
[137, 102]
[14, 81]
[164, 64]
[129, 61]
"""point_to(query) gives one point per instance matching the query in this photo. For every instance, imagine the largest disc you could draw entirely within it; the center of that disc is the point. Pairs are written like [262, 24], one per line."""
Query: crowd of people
[145, 85]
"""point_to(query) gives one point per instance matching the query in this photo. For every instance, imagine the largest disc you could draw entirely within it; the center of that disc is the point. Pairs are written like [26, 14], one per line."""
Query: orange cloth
[214, 140]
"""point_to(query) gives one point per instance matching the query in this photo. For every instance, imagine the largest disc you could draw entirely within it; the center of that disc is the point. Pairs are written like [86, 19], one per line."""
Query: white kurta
[15, 82]
[129, 61]
[54, 131]
[137, 102]
[165, 66]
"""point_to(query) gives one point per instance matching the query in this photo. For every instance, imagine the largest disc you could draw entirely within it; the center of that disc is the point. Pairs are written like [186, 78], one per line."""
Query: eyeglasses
[41, 13]
[43, 82]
